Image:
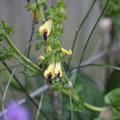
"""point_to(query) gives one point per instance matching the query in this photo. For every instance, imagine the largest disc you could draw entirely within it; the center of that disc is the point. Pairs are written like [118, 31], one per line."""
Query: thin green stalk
[25, 59]
[84, 49]
[12, 66]
[85, 104]
[18, 58]
[78, 30]
[77, 98]
[31, 38]
[93, 108]
[71, 112]
[26, 65]
[22, 87]
[6, 90]
[39, 108]
[97, 65]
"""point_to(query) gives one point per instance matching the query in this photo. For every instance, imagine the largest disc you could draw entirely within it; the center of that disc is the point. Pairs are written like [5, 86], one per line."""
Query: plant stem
[18, 59]
[86, 44]
[93, 108]
[71, 112]
[77, 98]
[25, 59]
[80, 26]
[24, 89]
[31, 38]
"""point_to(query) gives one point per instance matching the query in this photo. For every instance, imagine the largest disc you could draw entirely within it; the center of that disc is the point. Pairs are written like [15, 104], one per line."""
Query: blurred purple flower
[15, 112]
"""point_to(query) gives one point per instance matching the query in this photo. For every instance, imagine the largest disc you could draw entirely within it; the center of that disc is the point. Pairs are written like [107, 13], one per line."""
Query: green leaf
[87, 89]
[6, 55]
[6, 28]
[99, 118]
[31, 6]
[57, 86]
[76, 107]
[113, 9]
[113, 98]
[39, 45]
[30, 73]
[113, 80]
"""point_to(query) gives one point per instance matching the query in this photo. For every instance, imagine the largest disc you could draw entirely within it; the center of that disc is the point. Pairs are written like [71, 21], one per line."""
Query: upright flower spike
[53, 71]
[46, 28]
[15, 112]
[66, 52]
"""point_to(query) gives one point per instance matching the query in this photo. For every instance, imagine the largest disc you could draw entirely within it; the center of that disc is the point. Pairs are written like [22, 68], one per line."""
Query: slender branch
[18, 58]
[98, 56]
[6, 90]
[32, 95]
[21, 55]
[39, 108]
[93, 108]
[22, 87]
[12, 66]
[18, 82]
[79, 28]
[86, 44]
[31, 38]
[71, 112]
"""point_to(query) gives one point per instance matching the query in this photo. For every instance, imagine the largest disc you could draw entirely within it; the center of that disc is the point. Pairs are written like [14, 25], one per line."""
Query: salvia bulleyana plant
[70, 95]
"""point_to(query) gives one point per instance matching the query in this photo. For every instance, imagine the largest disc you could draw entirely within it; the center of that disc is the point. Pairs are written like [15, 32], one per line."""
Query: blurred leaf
[39, 45]
[30, 73]
[99, 118]
[7, 29]
[113, 98]
[87, 89]
[57, 86]
[113, 9]
[113, 80]
[6, 55]
[76, 107]
[30, 6]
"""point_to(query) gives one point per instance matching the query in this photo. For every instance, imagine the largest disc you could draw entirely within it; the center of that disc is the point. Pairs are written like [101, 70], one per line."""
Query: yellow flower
[66, 52]
[53, 71]
[41, 57]
[46, 27]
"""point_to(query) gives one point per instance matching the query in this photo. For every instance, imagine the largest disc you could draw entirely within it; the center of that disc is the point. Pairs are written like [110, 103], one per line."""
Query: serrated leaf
[113, 98]
[6, 28]
[5, 55]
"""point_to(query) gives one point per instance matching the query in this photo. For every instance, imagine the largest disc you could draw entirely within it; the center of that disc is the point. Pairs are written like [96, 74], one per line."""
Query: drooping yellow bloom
[53, 71]
[66, 52]
[46, 27]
